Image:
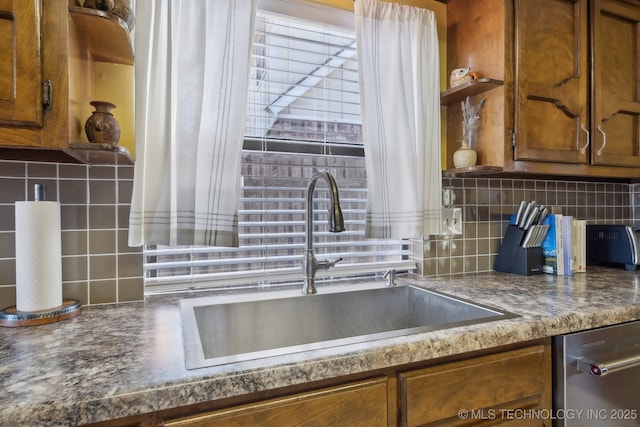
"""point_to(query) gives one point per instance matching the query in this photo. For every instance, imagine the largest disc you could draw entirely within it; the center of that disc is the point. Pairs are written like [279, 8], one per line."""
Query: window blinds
[302, 115]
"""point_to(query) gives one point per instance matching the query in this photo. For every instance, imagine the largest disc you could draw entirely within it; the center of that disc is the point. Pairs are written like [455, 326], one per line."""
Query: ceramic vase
[102, 127]
[464, 156]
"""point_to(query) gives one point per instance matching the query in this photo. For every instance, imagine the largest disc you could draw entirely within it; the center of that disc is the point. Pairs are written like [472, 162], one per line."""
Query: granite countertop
[126, 359]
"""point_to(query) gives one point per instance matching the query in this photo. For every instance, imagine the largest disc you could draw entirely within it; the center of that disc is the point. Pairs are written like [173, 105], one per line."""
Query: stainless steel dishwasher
[597, 377]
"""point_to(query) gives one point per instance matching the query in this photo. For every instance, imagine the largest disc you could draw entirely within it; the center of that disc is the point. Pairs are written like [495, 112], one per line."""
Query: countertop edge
[210, 384]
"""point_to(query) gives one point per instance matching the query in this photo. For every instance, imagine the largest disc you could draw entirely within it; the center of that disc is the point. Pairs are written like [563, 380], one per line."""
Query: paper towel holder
[12, 317]
[39, 192]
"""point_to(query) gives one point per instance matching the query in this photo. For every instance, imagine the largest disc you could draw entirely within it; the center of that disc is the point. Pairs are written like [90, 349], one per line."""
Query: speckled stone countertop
[127, 359]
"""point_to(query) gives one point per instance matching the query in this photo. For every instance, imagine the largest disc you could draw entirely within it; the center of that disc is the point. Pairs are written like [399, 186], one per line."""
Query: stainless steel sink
[224, 329]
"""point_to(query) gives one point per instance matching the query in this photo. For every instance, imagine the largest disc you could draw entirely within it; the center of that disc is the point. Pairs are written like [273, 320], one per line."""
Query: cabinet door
[616, 95]
[20, 63]
[358, 404]
[487, 390]
[551, 116]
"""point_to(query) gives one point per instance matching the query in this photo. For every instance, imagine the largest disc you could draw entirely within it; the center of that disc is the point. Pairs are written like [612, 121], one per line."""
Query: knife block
[513, 258]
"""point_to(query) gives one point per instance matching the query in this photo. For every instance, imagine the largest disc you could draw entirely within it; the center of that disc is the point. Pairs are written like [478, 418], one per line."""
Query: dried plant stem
[470, 116]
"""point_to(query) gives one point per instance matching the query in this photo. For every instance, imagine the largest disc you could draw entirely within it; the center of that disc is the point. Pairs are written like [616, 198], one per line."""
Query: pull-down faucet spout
[336, 224]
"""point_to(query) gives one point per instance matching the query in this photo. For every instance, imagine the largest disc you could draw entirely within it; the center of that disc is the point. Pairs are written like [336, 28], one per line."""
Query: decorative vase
[465, 156]
[102, 127]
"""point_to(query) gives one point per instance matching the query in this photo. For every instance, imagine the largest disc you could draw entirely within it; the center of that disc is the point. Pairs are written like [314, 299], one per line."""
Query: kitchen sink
[232, 328]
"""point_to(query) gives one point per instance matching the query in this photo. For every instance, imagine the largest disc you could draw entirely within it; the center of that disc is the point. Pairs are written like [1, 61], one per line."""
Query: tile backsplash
[486, 204]
[99, 267]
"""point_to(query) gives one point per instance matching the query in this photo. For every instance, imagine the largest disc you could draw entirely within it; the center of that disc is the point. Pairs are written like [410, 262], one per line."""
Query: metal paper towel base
[11, 317]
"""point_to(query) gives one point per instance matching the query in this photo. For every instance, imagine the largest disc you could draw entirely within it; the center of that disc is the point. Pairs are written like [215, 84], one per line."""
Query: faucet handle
[326, 264]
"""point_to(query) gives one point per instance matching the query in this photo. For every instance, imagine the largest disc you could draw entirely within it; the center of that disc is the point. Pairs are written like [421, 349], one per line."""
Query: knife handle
[520, 212]
[543, 214]
[530, 206]
[527, 238]
[529, 220]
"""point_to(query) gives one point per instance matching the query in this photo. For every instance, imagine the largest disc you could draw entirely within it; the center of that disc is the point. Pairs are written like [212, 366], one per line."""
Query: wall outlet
[451, 221]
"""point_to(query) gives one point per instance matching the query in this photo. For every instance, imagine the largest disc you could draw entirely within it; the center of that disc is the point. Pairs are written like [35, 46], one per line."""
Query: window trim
[308, 10]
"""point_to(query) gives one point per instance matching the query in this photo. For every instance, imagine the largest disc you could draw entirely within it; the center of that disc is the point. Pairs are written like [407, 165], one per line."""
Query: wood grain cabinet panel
[486, 390]
[20, 63]
[358, 404]
[551, 114]
[34, 49]
[616, 91]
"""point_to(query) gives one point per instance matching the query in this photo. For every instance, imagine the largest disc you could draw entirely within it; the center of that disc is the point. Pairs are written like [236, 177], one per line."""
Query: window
[303, 114]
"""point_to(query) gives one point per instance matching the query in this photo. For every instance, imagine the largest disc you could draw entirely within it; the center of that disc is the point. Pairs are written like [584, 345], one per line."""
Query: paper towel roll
[38, 256]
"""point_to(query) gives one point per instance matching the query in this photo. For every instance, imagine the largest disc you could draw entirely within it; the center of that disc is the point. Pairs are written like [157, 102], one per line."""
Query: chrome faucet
[310, 265]
[390, 275]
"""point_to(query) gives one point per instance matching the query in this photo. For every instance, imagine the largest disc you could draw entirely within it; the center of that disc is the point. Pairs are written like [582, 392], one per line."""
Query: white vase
[465, 156]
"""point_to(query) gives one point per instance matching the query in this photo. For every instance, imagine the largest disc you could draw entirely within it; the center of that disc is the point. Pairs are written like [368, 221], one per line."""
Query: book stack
[565, 246]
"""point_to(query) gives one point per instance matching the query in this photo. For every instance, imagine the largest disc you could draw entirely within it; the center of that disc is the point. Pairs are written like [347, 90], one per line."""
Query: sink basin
[224, 329]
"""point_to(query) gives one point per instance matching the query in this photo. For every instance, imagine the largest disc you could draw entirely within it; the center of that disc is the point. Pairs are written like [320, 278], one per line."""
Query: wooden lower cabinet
[512, 387]
[357, 404]
[507, 386]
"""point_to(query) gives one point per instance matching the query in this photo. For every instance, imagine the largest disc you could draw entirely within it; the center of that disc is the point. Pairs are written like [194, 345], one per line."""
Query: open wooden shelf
[100, 154]
[106, 36]
[474, 87]
[471, 171]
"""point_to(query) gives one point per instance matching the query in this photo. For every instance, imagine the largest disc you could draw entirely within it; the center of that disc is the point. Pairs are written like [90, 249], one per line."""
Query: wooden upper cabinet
[477, 38]
[570, 103]
[551, 114]
[34, 49]
[20, 63]
[616, 97]
[50, 44]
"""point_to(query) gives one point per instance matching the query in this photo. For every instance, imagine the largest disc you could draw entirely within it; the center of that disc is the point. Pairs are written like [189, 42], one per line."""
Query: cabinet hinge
[46, 94]
[513, 140]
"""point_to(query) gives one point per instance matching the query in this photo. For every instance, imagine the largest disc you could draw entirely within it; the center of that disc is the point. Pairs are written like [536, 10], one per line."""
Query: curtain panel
[191, 75]
[398, 63]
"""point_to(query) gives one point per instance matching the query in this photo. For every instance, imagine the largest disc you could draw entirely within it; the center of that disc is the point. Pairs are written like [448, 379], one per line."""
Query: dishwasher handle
[600, 369]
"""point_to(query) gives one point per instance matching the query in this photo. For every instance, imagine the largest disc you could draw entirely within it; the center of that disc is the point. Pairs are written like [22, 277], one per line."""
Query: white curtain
[398, 67]
[191, 77]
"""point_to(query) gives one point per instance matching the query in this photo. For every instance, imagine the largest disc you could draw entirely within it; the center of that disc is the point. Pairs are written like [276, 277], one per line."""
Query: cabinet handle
[604, 140]
[583, 149]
